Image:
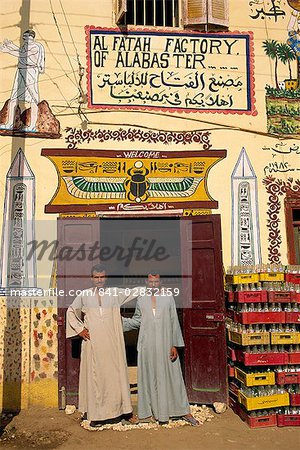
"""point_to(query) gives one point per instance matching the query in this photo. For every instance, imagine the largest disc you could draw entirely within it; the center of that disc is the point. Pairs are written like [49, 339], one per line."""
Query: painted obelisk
[17, 271]
[245, 232]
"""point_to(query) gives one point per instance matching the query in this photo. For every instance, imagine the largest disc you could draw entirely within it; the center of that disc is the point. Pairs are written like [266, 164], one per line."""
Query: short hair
[98, 268]
[30, 33]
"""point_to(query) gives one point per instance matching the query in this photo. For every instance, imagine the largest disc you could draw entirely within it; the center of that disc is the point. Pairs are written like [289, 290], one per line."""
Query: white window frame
[120, 10]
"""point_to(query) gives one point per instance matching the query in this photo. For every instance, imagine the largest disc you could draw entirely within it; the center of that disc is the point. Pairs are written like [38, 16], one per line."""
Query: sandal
[96, 423]
[133, 420]
[150, 419]
[191, 420]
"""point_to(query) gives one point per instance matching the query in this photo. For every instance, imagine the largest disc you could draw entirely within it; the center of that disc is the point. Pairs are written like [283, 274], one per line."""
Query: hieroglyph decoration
[18, 230]
[245, 233]
[277, 188]
[177, 71]
[97, 180]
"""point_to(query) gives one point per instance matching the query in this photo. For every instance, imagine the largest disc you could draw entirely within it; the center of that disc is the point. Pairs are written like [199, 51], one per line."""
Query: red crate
[292, 278]
[294, 358]
[233, 389]
[257, 422]
[230, 371]
[233, 402]
[282, 296]
[230, 314]
[287, 377]
[229, 296]
[295, 399]
[251, 297]
[260, 317]
[231, 353]
[292, 317]
[261, 359]
[288, 420]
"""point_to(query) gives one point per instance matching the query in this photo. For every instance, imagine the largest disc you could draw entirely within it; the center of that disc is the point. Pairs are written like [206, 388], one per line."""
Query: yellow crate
[254, 379]
[285, 338]
[260, 338]
[273, 276]
[242, 278]
[268, 401]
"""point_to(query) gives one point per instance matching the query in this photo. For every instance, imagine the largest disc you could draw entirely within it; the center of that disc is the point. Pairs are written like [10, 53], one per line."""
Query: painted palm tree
[270, 47]
[286, 54]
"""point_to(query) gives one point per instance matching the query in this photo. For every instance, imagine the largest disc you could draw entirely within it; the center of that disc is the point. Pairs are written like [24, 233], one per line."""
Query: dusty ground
[43, 428]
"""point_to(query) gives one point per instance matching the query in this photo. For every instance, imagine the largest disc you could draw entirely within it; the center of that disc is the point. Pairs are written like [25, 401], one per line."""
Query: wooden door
[76, 238]
[203, 322]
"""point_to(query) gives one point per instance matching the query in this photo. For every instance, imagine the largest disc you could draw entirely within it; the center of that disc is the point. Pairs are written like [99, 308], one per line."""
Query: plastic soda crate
[271, 276]
[266, 401]
[269, 420]
[288, 420]
[250, 296]
[285, 337]
[287, 378]
[260, 338]
[255, 379]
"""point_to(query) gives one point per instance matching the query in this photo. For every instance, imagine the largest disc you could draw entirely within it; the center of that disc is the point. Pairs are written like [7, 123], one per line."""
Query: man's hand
[3, 48]
[173, 354]
[85, 334]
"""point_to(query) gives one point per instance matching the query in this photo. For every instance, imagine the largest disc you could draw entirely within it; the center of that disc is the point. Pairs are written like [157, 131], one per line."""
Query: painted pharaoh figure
[31, 63]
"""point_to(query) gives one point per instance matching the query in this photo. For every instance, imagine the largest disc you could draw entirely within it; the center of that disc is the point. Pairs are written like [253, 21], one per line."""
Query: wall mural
[44, 362]
[283, 99]
[245, 232]
[18, 226]
[92, 180]
[277, 188]
[170, 71]
[38, 120]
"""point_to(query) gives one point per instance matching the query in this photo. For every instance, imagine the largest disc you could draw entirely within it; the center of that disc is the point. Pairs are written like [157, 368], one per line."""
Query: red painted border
[252, 112]
[108, 207]
[118, 153]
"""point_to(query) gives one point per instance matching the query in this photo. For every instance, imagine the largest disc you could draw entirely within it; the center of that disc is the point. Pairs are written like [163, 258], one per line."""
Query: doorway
[193, 246]
[292, 214]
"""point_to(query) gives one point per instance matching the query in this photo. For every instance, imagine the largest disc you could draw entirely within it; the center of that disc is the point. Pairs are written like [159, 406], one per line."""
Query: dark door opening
[292, 214]
[135, 248]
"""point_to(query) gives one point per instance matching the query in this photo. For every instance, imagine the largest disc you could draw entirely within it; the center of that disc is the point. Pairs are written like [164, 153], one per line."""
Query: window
[121, 8]
[161, 13]
[210, 15]
[207, 15]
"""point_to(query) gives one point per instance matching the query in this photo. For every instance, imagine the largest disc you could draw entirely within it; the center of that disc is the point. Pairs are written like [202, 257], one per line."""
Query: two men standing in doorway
[103, 382]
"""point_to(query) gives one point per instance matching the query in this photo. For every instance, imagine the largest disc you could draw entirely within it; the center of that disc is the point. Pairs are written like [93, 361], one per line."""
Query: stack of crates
[263, 335]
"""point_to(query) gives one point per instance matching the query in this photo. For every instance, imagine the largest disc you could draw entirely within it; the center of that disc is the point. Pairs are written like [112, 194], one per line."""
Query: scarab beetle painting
[137, 183]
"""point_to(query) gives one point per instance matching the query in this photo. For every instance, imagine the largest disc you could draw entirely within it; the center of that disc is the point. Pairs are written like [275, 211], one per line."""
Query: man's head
[28, 34]
[98, 275]
[153, 281]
